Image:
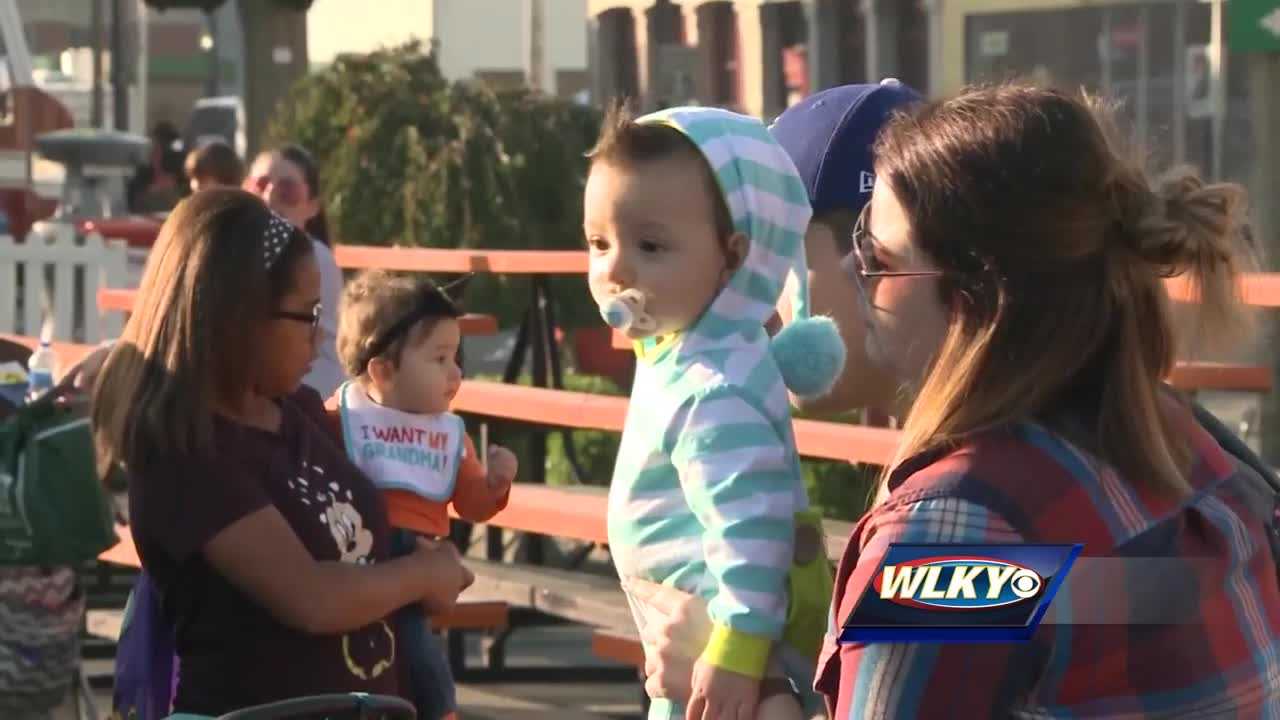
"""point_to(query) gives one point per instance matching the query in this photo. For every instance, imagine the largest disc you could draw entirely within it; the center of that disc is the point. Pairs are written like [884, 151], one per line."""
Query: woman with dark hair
[158, 185]
[270, 550]
[288, 180]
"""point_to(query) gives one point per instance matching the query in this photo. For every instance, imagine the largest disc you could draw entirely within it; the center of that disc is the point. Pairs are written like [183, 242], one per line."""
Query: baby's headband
[432, 301]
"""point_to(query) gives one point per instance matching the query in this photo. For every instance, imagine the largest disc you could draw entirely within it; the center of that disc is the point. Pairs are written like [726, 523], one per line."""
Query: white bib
[400, 450]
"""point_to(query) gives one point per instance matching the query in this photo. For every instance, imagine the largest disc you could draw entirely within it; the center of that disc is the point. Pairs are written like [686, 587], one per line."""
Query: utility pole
[209, 44]
[141, 71]
[119, 66]
[535, 69]
[1256, 29]
[275, 40]
[95, 107]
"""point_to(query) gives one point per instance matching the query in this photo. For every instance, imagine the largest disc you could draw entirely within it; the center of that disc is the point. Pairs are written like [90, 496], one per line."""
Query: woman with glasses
[269, 550]
[288, 181]
[1010, 270]
[1011, 264]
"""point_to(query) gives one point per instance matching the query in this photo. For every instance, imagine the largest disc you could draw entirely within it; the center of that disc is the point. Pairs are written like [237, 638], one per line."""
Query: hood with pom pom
[768, 203]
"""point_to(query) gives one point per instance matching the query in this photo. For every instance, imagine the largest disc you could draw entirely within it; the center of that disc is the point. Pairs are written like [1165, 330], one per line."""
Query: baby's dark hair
[625, 142]
[215, 162]
[383, 313]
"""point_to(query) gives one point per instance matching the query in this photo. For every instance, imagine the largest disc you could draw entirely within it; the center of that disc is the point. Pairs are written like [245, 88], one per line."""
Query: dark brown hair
[374, 303]
[217, 162]
[1054, 245]
[205, 291]
[624, 142]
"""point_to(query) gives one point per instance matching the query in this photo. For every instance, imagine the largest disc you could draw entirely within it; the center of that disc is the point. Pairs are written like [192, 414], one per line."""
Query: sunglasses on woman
[289, 191]
[864, 257]
[862, 264]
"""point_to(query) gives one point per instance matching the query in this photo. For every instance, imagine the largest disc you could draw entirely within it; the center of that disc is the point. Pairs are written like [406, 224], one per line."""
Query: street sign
[1254, 25]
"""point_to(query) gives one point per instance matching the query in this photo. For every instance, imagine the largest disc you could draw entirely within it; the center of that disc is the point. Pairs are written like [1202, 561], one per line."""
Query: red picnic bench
[573, 513]
[122, 300]
[1191, 376]
[577, 513]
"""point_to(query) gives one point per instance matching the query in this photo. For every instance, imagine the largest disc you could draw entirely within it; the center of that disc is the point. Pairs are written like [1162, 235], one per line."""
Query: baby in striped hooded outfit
[694, 220]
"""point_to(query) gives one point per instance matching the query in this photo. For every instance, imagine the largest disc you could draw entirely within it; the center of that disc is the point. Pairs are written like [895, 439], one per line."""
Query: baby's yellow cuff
[740, 652]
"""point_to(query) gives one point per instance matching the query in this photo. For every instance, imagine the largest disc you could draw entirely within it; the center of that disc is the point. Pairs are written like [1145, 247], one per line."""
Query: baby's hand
[720, 694]
[502, 465]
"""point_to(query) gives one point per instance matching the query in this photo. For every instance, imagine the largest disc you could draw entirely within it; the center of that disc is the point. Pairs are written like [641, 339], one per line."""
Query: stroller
[353, 706]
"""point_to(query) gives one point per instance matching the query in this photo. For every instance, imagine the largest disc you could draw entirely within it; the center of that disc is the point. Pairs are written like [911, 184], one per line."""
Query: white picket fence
[56, 272]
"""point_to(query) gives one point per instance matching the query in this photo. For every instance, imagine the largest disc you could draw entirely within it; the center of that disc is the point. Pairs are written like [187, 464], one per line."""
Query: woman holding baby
[1008, 276]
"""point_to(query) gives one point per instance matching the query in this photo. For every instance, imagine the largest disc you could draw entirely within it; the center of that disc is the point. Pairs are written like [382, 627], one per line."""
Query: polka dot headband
[275, 240]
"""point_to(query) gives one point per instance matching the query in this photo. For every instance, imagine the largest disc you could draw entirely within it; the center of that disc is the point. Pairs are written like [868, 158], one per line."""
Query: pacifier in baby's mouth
[625, 313]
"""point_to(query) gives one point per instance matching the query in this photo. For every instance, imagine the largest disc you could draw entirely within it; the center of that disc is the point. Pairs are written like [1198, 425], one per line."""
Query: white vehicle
[217, 118]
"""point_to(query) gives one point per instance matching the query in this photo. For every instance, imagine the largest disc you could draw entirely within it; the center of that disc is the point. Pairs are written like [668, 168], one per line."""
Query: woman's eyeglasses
[289, 191]
[312, 318]
[865, 261]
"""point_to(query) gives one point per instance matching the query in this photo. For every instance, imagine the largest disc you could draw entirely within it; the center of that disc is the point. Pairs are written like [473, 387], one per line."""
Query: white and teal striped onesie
[707, 483]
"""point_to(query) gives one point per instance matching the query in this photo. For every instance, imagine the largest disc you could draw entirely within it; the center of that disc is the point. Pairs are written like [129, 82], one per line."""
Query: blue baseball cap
[829, 136]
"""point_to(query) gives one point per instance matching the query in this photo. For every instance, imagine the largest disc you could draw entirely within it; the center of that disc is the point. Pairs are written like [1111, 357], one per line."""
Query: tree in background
[409, 159]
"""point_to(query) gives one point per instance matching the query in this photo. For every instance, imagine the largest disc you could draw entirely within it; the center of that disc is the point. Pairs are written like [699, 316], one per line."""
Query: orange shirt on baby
[421, 462]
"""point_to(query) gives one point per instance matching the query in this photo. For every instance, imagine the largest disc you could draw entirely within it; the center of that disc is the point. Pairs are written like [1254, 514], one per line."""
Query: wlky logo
[959, 593]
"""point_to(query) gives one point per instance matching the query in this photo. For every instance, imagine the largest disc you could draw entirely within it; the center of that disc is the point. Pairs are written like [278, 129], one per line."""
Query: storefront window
[1151, 57]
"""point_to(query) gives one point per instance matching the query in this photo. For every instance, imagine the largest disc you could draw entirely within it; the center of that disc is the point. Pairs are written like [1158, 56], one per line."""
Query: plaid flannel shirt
[1215, 653]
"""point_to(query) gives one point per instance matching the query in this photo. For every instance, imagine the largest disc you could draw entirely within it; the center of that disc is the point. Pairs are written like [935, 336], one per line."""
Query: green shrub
[408, 158]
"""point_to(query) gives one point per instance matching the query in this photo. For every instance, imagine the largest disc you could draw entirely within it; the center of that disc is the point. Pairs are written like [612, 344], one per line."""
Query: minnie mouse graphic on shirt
[368, 652]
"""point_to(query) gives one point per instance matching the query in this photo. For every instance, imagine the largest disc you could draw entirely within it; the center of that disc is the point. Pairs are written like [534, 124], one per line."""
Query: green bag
[811, 585]
[53, 508]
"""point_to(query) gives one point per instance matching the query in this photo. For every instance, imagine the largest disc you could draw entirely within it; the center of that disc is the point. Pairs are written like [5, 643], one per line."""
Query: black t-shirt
[232, 652]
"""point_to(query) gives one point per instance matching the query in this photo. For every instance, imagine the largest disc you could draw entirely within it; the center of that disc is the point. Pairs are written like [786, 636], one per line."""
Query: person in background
[288, 180]
[214, 164]
[829, 137]
[158, 185]
[1010, 268]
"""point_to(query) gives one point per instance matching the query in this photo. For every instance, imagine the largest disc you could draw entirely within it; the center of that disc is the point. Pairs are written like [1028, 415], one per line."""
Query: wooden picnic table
[124, 299]
[1257, 289]
[565, 408]
[462, 260]
[833, 441]
[573, 513]
[1186, 375]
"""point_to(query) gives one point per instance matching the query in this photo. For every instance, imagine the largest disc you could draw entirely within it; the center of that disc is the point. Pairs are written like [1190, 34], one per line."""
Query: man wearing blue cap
[829, 136]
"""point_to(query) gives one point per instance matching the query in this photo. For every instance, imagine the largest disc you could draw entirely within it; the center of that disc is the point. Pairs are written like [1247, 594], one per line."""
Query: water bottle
[40, 367]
